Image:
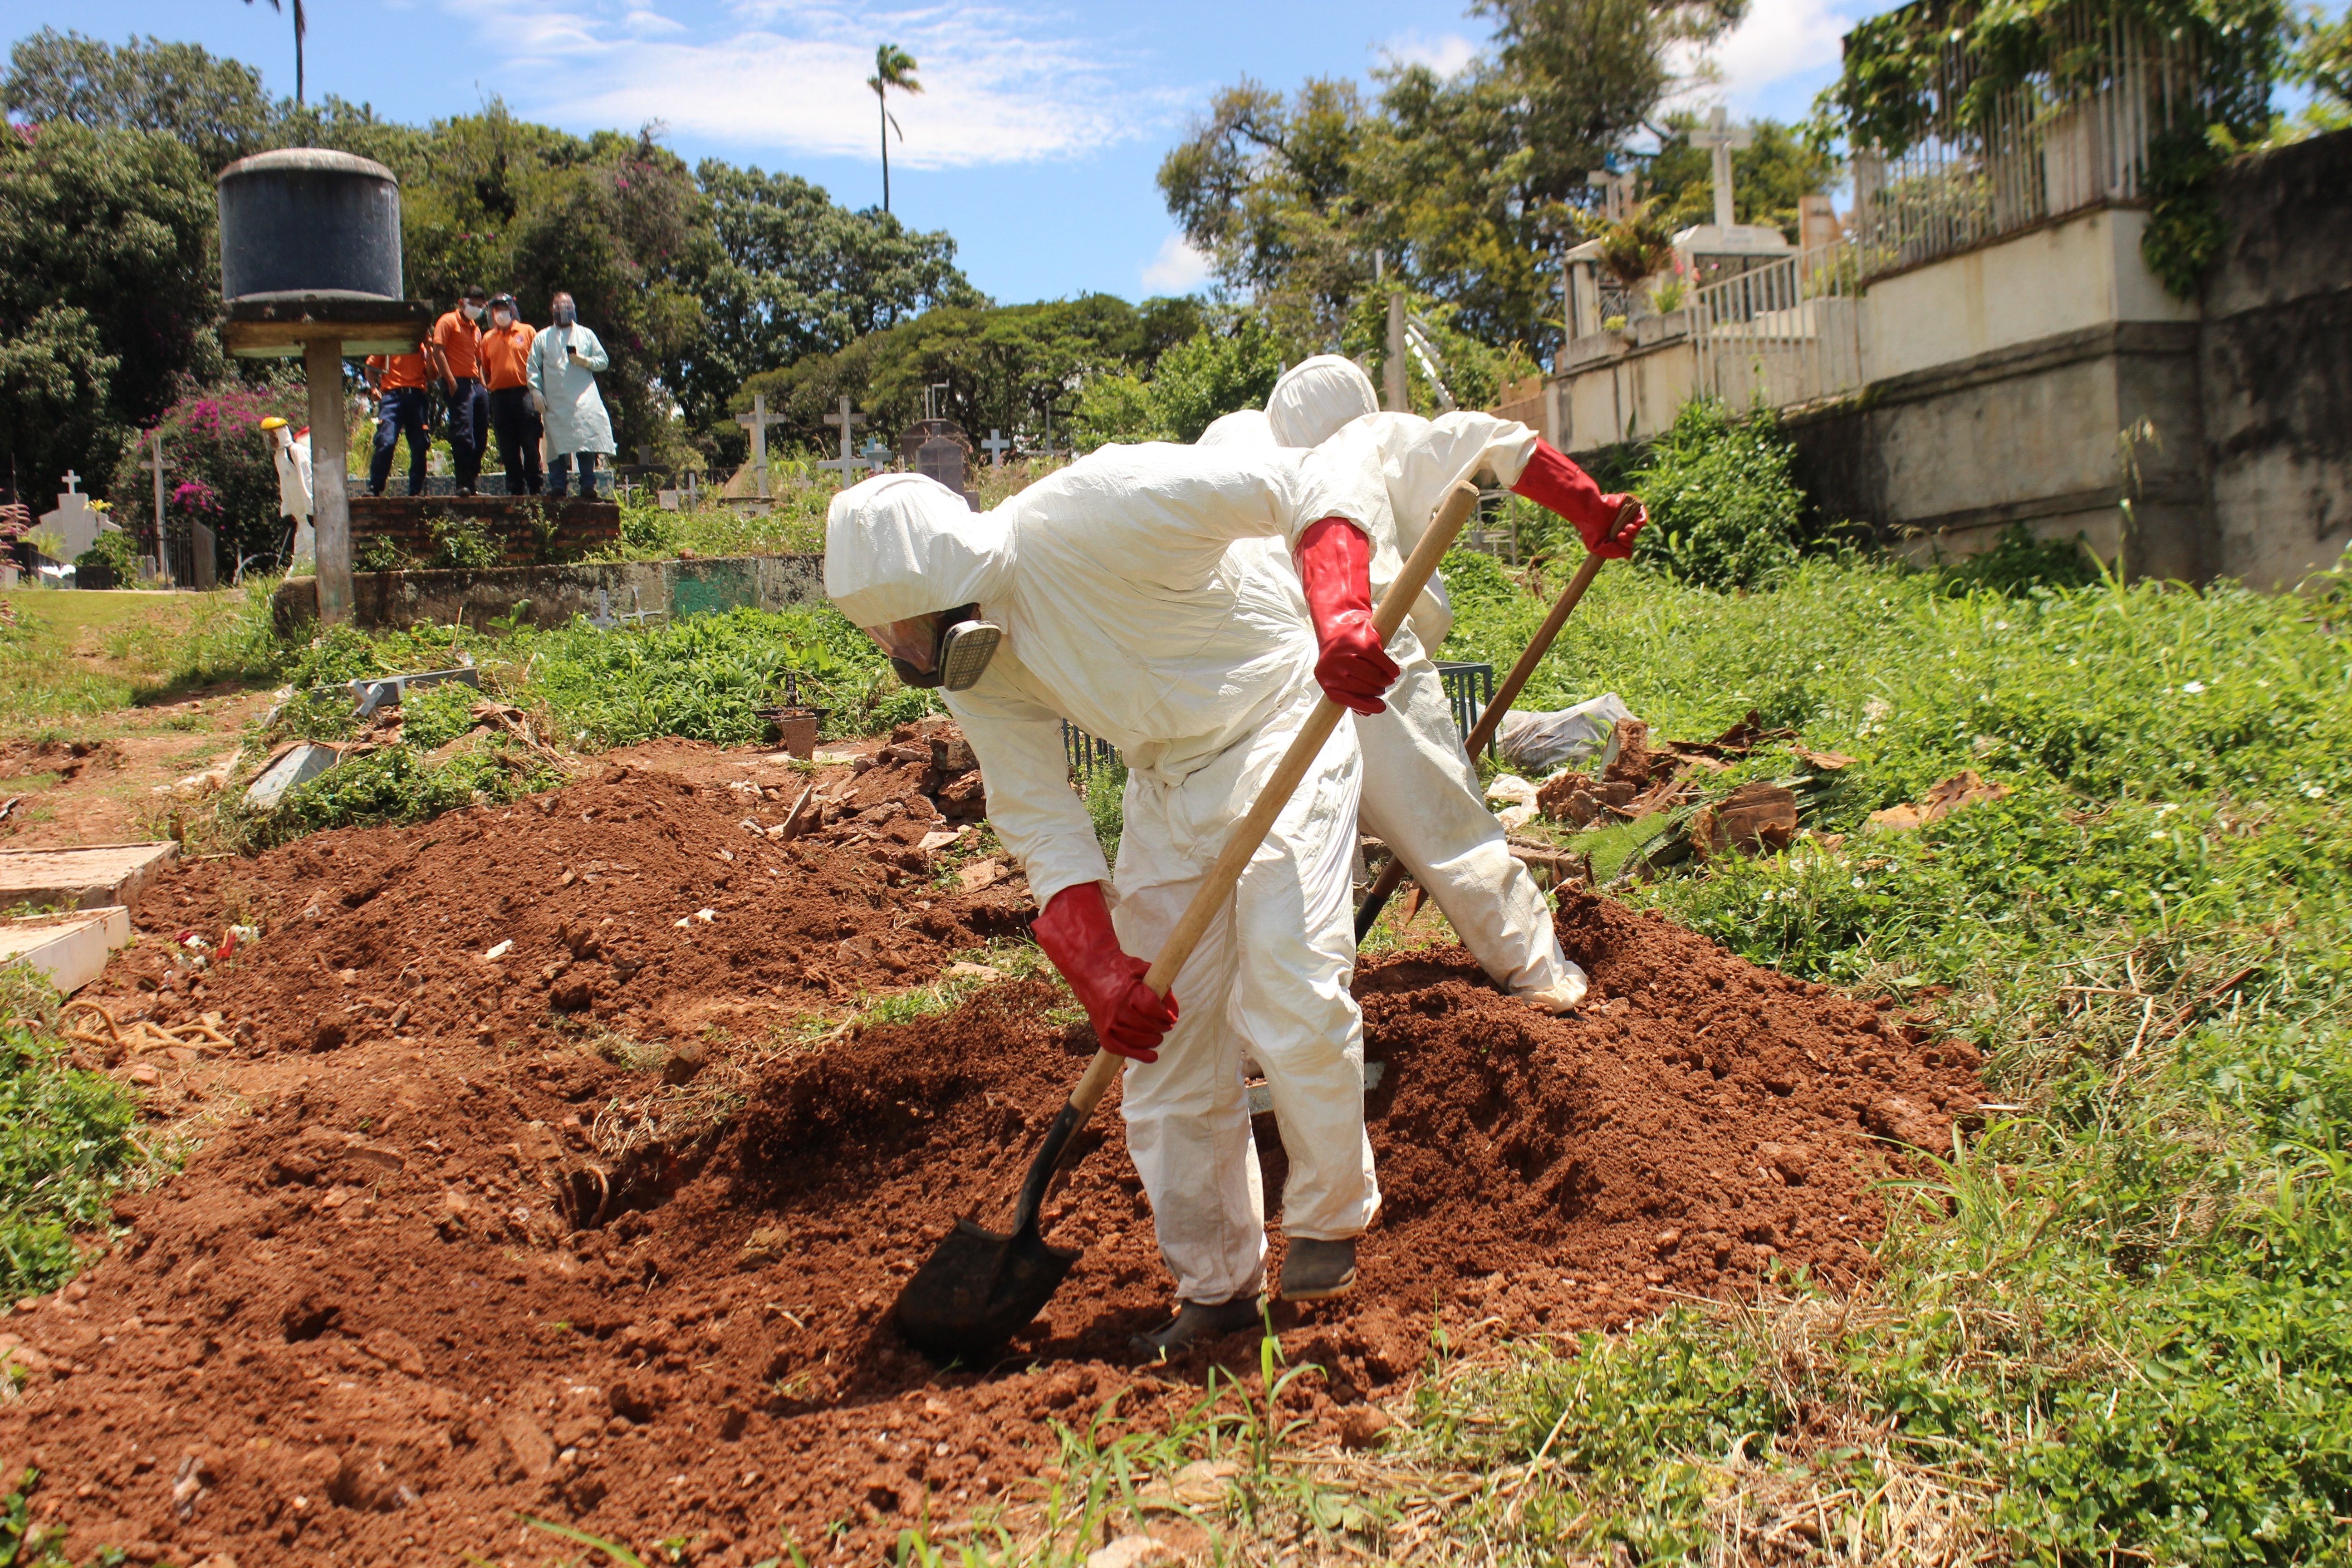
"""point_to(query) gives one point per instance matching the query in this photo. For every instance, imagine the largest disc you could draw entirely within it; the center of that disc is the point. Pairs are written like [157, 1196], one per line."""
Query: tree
[1466, 186]
[893, 67]
[216, 106]
[302, 25]
[1191, 387]
[793, 273]
[218, 467]
[108, 288]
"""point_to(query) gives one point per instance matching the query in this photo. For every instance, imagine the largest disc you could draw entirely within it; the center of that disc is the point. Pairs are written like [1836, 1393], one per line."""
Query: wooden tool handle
[1490, 718]
[1214, 889]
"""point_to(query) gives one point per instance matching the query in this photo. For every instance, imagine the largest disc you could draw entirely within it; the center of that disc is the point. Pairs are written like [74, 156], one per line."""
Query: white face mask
[473, 312]
[501, 320]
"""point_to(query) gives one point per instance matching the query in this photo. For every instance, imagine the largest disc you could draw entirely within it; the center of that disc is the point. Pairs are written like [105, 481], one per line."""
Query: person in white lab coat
[1421, 797]
[564, 359]
[1121, 612]
[289, 450]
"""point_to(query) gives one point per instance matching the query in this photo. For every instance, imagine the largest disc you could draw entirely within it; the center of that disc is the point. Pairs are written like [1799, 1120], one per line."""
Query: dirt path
[591, 1229]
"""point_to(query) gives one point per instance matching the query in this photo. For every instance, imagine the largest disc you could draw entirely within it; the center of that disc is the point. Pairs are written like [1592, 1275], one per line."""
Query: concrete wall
[555, 595]
[2276, 364]
[1624, 385]
[2063, 277]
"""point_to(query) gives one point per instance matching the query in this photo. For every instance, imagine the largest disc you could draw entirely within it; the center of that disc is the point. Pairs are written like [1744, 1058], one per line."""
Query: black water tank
[303, 220]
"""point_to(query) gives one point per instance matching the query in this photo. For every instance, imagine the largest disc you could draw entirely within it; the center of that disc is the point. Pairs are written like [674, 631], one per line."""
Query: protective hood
[902, 545]
[1247, 428]
[1314, 397]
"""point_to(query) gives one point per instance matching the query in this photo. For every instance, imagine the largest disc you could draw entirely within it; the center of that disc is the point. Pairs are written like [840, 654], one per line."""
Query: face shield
[947, 649]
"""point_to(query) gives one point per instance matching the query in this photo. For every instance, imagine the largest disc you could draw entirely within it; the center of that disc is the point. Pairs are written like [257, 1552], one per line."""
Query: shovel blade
[979, 1289]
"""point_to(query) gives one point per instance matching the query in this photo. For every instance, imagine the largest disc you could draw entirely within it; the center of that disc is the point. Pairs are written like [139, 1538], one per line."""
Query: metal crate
[1468, 688]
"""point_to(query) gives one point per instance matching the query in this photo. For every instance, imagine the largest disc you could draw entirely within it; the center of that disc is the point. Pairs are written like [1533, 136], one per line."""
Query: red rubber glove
[1335, 567]
[1608, 522]
[1075, 930]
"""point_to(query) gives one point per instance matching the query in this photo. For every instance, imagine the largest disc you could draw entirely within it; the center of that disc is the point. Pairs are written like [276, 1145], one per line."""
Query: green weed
[67, 1143]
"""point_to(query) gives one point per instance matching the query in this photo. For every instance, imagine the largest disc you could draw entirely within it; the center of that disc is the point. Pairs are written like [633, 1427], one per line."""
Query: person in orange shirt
[398, 381]
[505, 352]
[455, 349]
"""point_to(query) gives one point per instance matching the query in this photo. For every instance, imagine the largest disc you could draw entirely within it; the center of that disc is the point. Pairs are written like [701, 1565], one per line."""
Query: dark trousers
[517, 425]
[558, 473]
[469, 431]
[402, 413]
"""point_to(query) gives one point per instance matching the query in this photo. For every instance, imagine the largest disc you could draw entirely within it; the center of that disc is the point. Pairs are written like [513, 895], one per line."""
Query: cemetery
[520, 1004]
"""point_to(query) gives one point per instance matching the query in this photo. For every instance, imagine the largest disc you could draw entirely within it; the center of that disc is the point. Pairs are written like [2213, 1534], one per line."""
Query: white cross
[996, 447]
[73, 482]
[849, 462]
[758, 420]
[1722, 138]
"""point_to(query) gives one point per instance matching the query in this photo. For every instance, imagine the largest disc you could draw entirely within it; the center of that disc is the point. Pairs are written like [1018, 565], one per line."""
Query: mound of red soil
[428, 1282]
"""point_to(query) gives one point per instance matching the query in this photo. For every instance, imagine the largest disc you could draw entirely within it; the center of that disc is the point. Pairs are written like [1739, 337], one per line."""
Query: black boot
[1196, 1323]
[1318, 1270]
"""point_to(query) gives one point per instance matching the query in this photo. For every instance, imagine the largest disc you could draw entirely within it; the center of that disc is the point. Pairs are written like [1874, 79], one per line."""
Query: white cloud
[1177, 270]
[1446, 53]
[792, 77]
[1781, 44]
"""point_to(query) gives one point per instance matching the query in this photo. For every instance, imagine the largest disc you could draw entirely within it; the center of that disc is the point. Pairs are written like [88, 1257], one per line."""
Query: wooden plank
[82, 876]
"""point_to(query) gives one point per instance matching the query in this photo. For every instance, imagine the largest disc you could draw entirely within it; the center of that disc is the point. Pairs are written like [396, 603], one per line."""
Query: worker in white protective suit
[1104, 594]
[289, 450]
[1421, 797]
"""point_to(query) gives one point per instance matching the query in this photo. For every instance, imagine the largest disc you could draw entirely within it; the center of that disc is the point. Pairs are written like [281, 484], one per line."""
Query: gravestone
[849, 462]
[997, 445]
[758, 421]
[874, 454]
[71, 527]
[1724, 248]
[943, 459]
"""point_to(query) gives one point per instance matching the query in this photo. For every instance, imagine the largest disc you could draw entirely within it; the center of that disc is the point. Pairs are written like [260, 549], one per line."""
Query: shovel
[979, 1287]
[1491, 718]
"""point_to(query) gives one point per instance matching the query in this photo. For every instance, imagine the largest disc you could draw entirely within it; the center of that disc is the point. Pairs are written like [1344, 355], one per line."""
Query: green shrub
[1106, 797]
[437, 715]
[2018, 563]
[65, 1144]
[465, 543]
[391, 787]
[115, 552]
[384, 553]
[1724, 512]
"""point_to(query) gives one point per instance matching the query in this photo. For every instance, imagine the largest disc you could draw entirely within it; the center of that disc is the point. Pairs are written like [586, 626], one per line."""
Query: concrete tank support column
[330, 507]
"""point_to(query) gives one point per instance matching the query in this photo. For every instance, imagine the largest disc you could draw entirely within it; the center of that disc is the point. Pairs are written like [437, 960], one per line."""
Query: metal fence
[1789, 331]
[2006, 160]
[1468, 688]
[1085, 753]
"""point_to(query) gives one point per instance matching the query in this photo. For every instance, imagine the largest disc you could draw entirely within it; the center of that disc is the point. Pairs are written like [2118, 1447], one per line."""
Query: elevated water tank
[306, 221]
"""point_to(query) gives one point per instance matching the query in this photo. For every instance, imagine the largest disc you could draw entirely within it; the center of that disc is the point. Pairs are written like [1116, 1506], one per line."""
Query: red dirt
[416, 1283]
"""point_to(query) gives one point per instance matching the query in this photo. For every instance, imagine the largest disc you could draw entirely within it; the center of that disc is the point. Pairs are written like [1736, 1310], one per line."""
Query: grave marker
[1721, 138]
[849, 462]
[996, 447]
[758, 421]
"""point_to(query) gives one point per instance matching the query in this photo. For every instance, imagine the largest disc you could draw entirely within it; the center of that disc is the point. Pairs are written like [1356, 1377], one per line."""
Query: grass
[67, 1144]
[74, 654]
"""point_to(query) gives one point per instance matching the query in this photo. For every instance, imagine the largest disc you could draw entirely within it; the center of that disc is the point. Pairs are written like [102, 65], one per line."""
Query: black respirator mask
[959, 644]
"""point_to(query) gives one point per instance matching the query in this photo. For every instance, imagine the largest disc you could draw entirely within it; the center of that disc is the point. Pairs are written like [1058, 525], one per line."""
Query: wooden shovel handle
[1209, 898]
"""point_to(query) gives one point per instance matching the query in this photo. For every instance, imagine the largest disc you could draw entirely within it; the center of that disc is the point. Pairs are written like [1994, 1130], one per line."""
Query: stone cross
[1616, 192]
[758, 420]
[875, 454]
[73, 484]
[849, 462]
[1723, 138]
[996, 445]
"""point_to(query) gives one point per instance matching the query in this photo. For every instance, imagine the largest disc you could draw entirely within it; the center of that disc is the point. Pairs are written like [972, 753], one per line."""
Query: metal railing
[1085, 753]
[2041, 149]
[1786, 332]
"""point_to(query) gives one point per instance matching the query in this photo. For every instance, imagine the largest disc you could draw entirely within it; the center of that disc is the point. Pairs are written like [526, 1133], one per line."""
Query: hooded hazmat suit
[1420, 794]
[1123, 613]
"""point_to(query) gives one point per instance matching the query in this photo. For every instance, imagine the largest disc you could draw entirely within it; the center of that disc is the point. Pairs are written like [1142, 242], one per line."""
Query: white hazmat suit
[1123, 613]
[1421, 797]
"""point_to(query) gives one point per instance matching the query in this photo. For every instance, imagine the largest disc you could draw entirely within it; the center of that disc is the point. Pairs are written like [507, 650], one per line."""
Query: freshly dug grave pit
[427, 1282]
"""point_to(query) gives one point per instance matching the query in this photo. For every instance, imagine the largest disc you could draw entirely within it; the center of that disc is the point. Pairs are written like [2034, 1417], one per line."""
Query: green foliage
[1194, 383]
[463, 542]
[795, 274]
[1106, 797]
[390, 787]
[1001, 367]
[706, 676]
[2019, 563]
[218, 469]
[1724, 510]
[437, 715]
[114, 553]
[109, 278]
[65, 1144]
[382, 553]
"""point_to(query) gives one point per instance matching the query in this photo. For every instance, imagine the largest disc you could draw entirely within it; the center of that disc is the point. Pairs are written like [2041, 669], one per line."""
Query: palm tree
[302, 25]
[893, 67]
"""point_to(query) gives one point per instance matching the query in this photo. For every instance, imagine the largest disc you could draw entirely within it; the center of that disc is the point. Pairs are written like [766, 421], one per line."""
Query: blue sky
[1035, 140]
